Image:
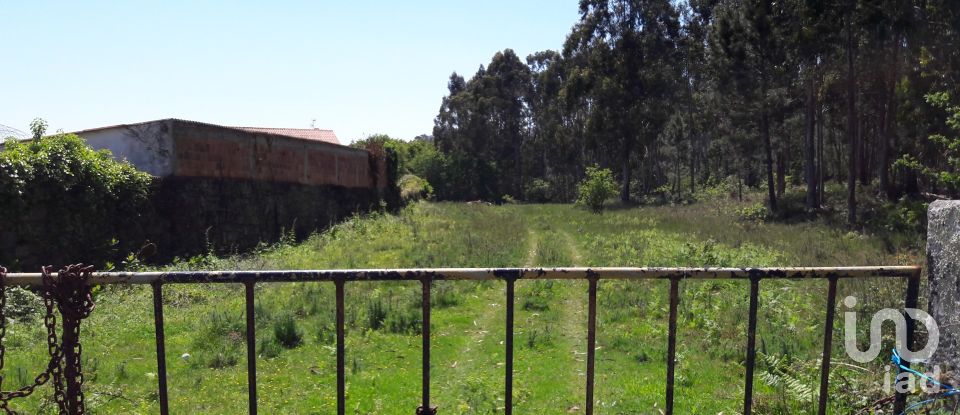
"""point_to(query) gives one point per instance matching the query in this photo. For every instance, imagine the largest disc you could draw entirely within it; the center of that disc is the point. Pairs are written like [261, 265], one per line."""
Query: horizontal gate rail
[439, 274]
[510, 276]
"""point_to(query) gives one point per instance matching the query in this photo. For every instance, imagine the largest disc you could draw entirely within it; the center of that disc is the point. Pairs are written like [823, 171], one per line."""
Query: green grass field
[295, 321]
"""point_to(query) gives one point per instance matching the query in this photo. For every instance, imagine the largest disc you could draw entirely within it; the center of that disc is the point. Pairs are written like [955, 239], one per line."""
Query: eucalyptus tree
[749, 40]
[482, 127]
[632, 53]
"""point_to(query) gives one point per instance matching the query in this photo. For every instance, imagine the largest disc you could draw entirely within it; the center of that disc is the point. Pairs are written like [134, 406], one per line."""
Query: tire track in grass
[533, 243]
[550, 376]
[573, 320]
[475, 371]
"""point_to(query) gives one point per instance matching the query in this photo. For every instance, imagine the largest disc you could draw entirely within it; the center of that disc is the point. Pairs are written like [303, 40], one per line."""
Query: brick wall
[234, 189]
[202, 150]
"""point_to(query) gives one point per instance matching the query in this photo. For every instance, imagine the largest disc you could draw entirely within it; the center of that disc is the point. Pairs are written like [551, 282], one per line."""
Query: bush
[23, 304]
[756, 212]
[66, 202]
[596, 188]
[539, 191]
[286, 332]
[413, 188]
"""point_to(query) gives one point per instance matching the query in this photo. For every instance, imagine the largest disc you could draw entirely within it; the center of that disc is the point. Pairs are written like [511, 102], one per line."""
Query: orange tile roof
[304, 133]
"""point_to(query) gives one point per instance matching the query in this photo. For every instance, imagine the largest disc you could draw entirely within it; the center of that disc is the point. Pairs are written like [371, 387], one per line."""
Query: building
[232, 188]
[180, 148]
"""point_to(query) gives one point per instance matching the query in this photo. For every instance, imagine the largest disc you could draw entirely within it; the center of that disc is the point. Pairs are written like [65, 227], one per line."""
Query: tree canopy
[673, 96]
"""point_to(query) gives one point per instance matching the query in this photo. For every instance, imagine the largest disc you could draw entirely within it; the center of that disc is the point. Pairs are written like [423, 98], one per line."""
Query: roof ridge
[288, 128]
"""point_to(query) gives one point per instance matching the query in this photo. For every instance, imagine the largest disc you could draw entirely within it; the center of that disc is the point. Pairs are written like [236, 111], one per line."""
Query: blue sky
[357, 67]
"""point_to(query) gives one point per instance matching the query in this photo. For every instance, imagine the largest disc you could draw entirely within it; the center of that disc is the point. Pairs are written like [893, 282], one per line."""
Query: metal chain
[3, 319]
[75, 302]
[72, 297]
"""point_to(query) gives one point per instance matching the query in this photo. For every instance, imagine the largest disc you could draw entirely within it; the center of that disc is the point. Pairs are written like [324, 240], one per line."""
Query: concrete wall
[147, 146]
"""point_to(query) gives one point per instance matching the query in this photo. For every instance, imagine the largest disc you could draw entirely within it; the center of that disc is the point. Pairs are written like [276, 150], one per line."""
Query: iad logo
[876, 323]
[907, 378]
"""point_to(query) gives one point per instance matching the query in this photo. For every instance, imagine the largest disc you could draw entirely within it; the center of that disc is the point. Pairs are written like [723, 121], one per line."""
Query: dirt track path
[573, 320]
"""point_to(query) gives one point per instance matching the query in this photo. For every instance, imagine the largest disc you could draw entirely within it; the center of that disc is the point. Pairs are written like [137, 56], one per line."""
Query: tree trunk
[821, 165]
[768, 149]
[889, 120]
[518, 164]
[625, 175]
[863, 163]
[693, 160]
[739, 186]
[676, 170]
[809, 165]
[851, 127]
[781, 173]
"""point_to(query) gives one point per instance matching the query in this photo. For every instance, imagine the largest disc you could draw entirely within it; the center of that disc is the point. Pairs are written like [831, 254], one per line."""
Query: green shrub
[376, 313]
[539, 191]
[69, 203]
[596, 188]
[404, 320]
[445, 295]
[286, 332]
[224, 356]
[23, 304]
[946, 174]
[413, 188]
[269, 348]
[756, 212]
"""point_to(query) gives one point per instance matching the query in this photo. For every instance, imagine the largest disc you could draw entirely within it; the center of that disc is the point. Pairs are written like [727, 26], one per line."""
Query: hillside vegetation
[295, 321]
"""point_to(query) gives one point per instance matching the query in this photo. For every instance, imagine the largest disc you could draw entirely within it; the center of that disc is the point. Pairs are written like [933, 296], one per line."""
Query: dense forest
[674, 96]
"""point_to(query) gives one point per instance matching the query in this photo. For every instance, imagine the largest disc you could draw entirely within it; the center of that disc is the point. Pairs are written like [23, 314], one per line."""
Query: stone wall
[233, 215]
[943, 268]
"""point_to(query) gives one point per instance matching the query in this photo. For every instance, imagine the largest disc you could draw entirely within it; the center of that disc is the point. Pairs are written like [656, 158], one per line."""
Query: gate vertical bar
[251, 348]
[751, 345]
[161, 347]
[341, 377]
[591, 340]
[827, 345]
[508, 375]
[913, 293]
[425, 409]
[672, 342]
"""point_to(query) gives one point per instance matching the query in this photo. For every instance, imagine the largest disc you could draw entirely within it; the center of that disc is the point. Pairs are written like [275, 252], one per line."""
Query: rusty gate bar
[591, 340]
[251, 348]
[508, 372]
[161, 347]
[910, 301]
[425, 281]
[827, 346]
[341, 376]
[630, 273]
[427, 276]
[672, 342]
[751, 346]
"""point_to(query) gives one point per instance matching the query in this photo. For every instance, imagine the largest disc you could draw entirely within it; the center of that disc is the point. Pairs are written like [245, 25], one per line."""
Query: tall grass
[295, 321]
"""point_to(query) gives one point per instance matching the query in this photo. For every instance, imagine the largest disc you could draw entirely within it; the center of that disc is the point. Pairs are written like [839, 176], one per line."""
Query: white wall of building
[148, 146]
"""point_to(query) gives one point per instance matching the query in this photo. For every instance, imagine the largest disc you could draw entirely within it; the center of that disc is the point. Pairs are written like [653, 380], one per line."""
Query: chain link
[3, 319]
[71, 296]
